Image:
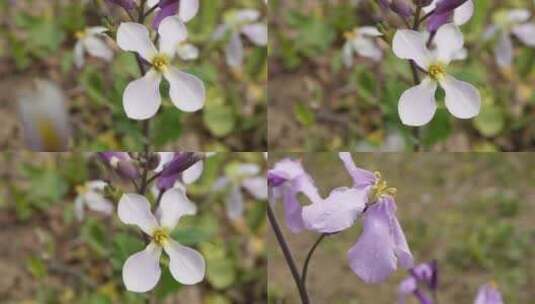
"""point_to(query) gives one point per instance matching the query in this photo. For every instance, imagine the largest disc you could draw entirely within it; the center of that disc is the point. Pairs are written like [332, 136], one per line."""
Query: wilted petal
[234, 203]
[234, 50]
[337, 212]
[488, 294]
[449, 40]
[135, 37]
[141, 271]
[141, 98]
[526, 33]
[172, 32]
[504, 50]
[361, 178]
[409, 44]
[417, 105]
[462, 99]
[186, 265]
[193, 173]
[187, 91]
[134, 209]
[173, 205]
[257, 187]
[257, 33]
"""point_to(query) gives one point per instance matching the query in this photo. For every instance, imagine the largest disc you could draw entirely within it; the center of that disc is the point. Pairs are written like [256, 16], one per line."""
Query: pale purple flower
[417, 105]
[514, 22]
[141, 271]
[489, 294]
[445, 11]
[361, 41]
[237, 23]
[121, 162]
[421, 283]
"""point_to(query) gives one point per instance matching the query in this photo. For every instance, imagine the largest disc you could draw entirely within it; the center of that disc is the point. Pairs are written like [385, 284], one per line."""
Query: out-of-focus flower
[44, 117]
[91, 195]
[89, 40]
[422, 279]
[176, 165]
[489, 294]
[141, 98]
[238, 176]
[513, 22]
[184, 9]
[417, 105]
[121, 162]
[237, 23]
[445, 11]
[141, 271]
[362, 42]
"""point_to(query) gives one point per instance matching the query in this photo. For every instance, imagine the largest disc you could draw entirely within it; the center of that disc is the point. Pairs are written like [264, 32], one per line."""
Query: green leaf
[219, 119]
[167, 127]
[304, 115]
[36, 267]
[491, 121]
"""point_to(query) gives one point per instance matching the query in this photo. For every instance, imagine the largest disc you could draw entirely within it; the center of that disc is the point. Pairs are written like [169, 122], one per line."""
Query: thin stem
[150, 11]
[307, 261]
[416, 78]
[287, 254]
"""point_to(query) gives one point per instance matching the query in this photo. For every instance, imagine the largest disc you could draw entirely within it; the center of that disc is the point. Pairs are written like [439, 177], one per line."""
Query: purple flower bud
[167, 8]
[174, 168]
[447, 6]
[126, 4]
[443, 13]
[121, 163]
[400, 7]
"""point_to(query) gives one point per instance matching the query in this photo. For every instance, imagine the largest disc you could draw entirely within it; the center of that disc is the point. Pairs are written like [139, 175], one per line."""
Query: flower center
[436, 71]
[80, 34]
[350, 35]
[160, 236]
[160, 62]
[81, 189]
[380, 189]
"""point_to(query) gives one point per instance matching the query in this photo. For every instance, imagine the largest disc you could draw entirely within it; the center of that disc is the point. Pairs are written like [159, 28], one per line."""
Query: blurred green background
[317, 104]
[472, 212]
[48, 256]
[37, 40]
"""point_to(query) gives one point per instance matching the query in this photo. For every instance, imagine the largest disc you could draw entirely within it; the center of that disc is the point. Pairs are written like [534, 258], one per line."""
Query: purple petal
[173, 169]
[402, 249]
[293, 211]
[436, 20]
[361, 178]
[168, 8]
[488, 294]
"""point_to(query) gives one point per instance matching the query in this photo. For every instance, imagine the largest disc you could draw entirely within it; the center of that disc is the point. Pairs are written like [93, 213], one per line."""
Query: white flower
[90, 40]
[513, 22]
[44, 117]
[417, 105]
[237, 23]
[141, 98]
[245, 176]
[91, 195]
[461, 15]
[141, 271]
[361, 41]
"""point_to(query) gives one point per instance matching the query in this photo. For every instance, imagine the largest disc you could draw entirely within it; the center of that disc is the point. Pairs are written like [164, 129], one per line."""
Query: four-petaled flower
[417, 105]
[89, 40]
[141, 98]
[141, 271]
[361, 41]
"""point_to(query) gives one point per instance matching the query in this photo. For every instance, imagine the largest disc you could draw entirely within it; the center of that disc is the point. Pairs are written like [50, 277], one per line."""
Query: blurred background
[47, 255]
[316, 103]
[472, 212]
[37, 40]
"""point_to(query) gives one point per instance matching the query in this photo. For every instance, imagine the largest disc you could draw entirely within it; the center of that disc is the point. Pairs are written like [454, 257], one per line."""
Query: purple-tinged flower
[288, 179]
[121, 162]
[400, 7]
[170, 170]
[185, 9]
[126, 4]
[422, 280]
[446, 11]
[489, 294]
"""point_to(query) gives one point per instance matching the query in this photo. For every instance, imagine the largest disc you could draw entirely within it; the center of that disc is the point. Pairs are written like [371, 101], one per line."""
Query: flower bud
[172, 170]
[126, 4]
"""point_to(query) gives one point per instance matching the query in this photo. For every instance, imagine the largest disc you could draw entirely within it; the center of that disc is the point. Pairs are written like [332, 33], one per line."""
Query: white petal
[449, 40]
[141, 98]
[462, 99]
[141, 271]
[98, 48]
[366, 47]
[417, 105]
[490, 31]
[97, 202]
[234, 203]
[188, 9]
[186, 265]
[165, 157]
[79, 59]
[463, 13]
[152, 3]
[173, 206]
[347, 54]
[135, 37]
[247, 16]
[410, 44]
[187, 51]
[371, 31]
[257, 186]
[257, 33]
[234, 51]
[79, 208]
[526, 33]
[96, 30]
[504, 50]
[134, 209]
[187, 91]
[518, 15]
[193, 173]
[172, 31]
[247, 169]
[96, 185]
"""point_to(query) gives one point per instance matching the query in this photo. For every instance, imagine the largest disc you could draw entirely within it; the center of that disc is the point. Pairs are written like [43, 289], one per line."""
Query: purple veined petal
[402, 250]
[193, 173]
[488, 294]
[234, 50]
[141, 98]
[373, 257]
[337, 212]
[463, 100]
[504, 50]
[165, 158]
[141, 271]
[409, 44]
[417, 105]
[526, 33]
[361, 178]
[294, 174]
[257, 33]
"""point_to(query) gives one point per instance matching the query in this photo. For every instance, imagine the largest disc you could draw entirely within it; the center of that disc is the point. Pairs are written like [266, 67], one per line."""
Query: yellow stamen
[380, 188]
[81, 189]
[50, 139]
[160, 62]
[349, 35]
[160, 236]
[80, 34]
[437, 71]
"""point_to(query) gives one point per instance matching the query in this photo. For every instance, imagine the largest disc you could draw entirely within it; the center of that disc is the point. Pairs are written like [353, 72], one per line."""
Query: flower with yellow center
[90, 40]
[380, 189]
[361, 41]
